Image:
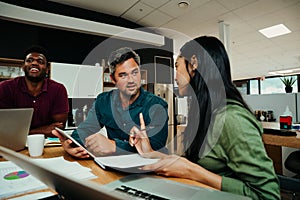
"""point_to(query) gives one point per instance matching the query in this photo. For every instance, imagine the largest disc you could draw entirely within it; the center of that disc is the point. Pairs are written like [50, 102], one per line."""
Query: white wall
[81, 81]
[275, 102]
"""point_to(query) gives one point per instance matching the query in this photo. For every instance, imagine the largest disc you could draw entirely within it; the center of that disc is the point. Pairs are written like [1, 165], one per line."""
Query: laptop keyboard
[138, 193]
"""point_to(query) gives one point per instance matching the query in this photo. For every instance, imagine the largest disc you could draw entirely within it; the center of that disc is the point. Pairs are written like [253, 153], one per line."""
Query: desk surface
[278, 140]
[104, 176]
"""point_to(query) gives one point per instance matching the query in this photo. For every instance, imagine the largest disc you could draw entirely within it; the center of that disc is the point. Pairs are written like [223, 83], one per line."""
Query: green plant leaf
[288, 81]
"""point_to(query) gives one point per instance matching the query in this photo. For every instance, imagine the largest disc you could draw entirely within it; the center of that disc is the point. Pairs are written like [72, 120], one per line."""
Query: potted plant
[288, 82]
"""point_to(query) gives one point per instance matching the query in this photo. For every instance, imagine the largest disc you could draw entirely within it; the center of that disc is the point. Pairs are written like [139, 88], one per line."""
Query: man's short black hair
[121, 55]
[36, 49]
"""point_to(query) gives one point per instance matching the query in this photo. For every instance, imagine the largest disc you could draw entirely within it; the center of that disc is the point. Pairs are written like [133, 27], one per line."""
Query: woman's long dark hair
[211, 85]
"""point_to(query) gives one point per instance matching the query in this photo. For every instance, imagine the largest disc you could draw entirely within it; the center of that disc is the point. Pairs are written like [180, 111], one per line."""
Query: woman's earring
[194, 66]
[194, 62]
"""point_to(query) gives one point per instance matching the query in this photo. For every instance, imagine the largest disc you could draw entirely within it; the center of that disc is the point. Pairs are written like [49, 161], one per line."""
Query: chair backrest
[292, 162]
[289, 183]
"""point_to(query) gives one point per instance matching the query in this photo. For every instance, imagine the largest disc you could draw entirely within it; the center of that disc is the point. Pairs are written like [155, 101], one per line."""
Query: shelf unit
[10, 68]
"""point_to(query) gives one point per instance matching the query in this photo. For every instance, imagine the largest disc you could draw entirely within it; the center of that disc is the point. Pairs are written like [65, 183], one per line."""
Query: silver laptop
[136, 186]
[150, 187]
[14, 127]
[66, 187]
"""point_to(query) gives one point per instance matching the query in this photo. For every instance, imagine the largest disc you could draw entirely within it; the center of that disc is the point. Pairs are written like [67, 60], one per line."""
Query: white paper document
[125, 161]
[70, 169]
[39, 195]
[15, 181]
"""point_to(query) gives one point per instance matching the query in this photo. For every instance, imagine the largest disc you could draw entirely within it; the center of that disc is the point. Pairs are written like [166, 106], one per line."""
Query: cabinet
[107, 83]
[81, 81]
[10, 68]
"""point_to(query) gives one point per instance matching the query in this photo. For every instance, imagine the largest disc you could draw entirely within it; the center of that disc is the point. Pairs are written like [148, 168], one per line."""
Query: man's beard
[131, 95]
[36, 79]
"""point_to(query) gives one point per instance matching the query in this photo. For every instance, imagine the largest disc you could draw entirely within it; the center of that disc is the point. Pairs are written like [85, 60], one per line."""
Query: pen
[145, 129]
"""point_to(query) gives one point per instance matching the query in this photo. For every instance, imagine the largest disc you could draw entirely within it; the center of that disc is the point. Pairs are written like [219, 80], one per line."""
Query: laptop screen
[14, 127]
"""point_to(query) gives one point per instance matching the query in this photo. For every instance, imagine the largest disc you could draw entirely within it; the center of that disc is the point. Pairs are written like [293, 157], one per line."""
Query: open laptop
[66, 187]
[134, 186]
[14, 127]
[161, 188]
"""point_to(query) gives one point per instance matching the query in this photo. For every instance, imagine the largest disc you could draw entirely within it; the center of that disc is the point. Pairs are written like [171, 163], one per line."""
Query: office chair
[292, 163]
[290, 185]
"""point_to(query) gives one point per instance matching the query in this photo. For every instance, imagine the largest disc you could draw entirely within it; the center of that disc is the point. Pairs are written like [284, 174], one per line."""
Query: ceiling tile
[173, 10]
[234, 4]
[155, 18]
[248, 38]
[155, 3]
[230, 18]
[282, 16]
[209, 10]
[112, 7]
[137, 12]
[260, 8]
[241, 29]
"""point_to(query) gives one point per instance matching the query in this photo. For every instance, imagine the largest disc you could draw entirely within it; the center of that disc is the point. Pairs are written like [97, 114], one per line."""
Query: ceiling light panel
[275, 31]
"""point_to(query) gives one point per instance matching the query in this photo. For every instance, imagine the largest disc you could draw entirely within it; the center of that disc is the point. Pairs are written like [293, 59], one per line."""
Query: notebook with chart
[68, 187]
[15, 180]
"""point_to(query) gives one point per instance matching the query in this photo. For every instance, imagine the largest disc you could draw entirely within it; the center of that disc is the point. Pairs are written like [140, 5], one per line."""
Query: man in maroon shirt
[34, 90]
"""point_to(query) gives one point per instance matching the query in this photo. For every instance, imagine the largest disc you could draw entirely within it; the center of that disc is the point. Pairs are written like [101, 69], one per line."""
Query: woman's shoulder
[236, 110]
[238, 120]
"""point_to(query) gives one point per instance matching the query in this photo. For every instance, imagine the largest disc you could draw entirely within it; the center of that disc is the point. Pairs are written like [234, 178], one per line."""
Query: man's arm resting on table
[60, 122]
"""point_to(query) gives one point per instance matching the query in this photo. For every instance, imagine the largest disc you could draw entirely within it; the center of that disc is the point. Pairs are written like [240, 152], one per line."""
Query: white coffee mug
[35, 144]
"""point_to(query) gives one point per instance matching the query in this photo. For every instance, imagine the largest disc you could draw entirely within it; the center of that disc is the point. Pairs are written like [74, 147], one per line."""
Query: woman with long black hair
[223, 143]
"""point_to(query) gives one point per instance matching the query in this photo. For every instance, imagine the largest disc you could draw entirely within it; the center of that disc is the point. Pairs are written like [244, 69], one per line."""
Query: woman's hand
[176, 166]
[140, 140]
[68, 146]
[172, 165]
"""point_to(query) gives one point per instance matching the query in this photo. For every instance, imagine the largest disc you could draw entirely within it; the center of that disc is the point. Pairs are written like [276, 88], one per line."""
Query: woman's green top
[235, 151]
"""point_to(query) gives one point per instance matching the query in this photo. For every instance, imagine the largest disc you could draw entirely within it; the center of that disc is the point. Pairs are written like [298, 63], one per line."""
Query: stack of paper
[14, 180]
[125, 161]
[73, 169]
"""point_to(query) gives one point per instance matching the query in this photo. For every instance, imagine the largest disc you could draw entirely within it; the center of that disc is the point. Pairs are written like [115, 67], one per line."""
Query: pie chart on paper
[16, 175]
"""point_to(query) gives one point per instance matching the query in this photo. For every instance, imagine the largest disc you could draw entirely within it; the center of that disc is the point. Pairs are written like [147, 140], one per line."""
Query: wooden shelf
[108, 84]
[10, 68]
[11, 62]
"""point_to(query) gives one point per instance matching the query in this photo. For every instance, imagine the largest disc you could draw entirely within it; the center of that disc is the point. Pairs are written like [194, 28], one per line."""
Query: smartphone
[78, 144]
[73, 140]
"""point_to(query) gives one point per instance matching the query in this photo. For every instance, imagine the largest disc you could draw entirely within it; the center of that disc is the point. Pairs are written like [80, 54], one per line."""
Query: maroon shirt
[52, 99]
